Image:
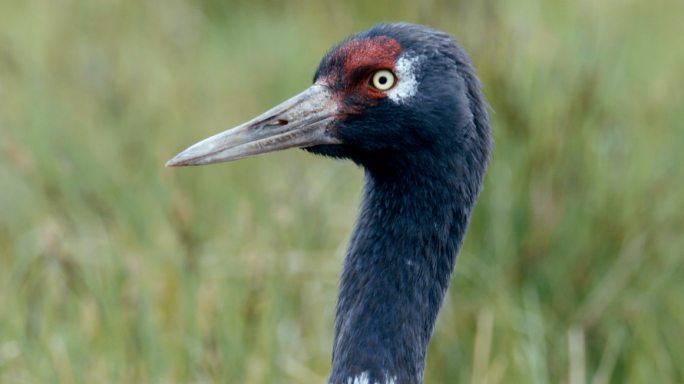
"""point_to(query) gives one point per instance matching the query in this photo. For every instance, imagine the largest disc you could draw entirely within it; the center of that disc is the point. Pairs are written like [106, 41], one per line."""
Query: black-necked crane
[404, 103]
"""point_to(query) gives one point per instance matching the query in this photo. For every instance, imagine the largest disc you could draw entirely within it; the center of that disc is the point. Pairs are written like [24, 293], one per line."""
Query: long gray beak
[300, 122]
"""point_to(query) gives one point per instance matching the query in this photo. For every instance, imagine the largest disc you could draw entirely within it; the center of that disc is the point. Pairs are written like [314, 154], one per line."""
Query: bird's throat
[396, 273]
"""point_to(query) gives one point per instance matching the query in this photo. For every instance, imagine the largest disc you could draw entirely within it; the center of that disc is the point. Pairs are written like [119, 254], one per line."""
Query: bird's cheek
[360, 101]
[335, 128]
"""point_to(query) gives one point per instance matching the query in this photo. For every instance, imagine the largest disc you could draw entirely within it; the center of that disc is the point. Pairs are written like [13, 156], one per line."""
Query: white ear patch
[407, 85]
[363, 379]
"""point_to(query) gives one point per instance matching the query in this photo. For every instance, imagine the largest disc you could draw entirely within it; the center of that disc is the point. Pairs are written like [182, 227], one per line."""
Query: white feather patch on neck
[407, 85]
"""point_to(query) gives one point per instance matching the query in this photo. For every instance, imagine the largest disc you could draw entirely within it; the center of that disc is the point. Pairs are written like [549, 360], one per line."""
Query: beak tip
[173, 163]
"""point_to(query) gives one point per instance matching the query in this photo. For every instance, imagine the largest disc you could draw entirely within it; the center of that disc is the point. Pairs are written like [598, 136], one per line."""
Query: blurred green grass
[114, 269]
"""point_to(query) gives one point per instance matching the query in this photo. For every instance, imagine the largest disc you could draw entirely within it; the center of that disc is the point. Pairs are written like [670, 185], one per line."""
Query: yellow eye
[383, 79]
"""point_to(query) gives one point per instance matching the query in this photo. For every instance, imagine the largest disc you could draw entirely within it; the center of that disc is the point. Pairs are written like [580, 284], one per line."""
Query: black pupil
[382, 80]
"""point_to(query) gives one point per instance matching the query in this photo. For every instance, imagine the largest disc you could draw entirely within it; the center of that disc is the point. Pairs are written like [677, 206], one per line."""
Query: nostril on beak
[277, 122]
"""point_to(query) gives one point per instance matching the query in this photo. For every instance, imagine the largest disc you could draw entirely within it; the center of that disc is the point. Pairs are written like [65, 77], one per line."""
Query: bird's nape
[403, 101]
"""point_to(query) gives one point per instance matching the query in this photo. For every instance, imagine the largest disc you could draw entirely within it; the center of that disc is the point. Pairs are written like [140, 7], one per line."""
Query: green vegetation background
[114, 269]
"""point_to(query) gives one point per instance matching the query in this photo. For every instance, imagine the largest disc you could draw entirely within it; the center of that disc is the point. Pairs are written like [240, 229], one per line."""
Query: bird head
[394, 95]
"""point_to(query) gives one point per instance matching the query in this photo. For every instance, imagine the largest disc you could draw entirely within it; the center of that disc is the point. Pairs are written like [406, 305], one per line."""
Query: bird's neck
[397, 270]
